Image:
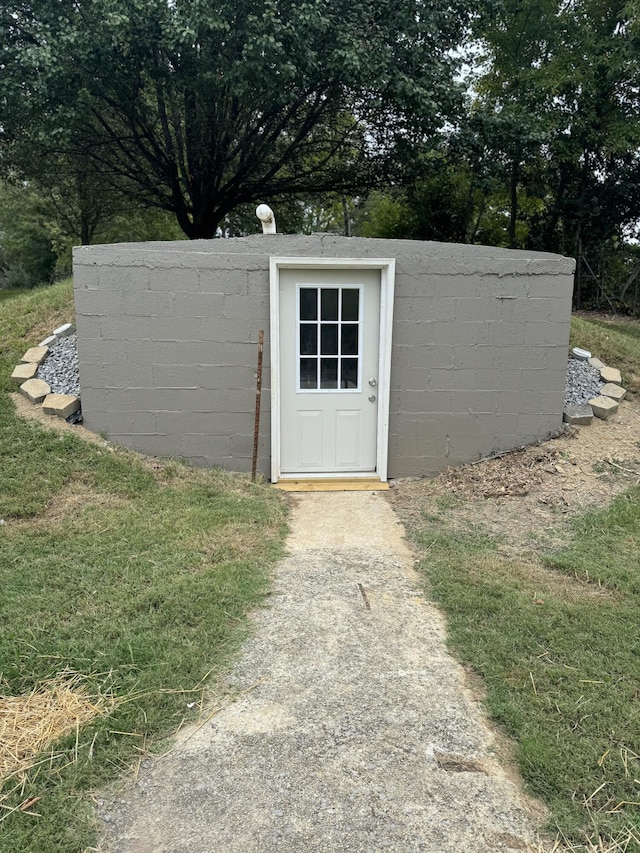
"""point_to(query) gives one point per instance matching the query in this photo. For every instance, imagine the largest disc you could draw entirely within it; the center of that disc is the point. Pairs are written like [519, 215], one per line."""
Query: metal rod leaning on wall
[256, 428]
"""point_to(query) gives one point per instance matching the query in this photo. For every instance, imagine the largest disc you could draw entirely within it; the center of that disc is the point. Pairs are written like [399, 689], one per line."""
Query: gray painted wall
[167, 336]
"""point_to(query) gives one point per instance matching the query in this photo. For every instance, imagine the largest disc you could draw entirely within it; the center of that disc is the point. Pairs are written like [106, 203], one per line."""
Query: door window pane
[329, 309]
[349, 373]
[308, 339]
[328, 373]
[308, 373]
[349, 342]
[350, 304]
[329, 339]
[308, 303]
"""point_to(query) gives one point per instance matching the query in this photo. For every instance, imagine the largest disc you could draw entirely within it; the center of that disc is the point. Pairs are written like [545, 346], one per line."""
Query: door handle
[372, 398]
[373, 383]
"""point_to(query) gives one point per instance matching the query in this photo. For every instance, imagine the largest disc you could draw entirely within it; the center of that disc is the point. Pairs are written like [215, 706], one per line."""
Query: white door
[329, 358]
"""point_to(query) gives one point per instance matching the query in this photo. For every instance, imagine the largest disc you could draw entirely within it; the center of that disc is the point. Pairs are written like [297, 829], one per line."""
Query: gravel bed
[60, 368]
[583, 383]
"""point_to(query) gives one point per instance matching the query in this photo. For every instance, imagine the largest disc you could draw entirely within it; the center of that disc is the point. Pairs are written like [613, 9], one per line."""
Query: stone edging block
[35, 355]
[611, 374]
[24, 371]
[603, 407]
[614, 391]
[578, 415]
[35, 390]
[61, 405]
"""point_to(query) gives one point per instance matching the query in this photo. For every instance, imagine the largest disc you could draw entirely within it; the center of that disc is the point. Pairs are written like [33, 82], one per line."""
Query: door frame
[387, 282]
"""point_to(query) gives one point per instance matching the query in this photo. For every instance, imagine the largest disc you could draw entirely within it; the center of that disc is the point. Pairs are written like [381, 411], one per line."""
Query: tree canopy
[198, 107]
[201, 108]
[547, 153]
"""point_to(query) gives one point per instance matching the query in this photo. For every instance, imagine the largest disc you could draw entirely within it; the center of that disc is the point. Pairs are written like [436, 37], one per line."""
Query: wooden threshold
[332, 485]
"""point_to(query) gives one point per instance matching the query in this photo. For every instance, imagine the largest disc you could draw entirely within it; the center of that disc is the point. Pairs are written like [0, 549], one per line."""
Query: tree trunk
[201, 227]
[577, 280]
[513, 210]
[345, 214]
[86, 231]
[203, 220]
[630, 280]
[481, 207]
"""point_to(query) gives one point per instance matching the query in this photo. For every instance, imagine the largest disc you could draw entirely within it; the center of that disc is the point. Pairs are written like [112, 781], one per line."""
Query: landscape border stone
[578, 415]
[35, 355]
[25, 370]
[61, 405]
[603, 407]
[611, 374]
[616, 392]
[37, 390]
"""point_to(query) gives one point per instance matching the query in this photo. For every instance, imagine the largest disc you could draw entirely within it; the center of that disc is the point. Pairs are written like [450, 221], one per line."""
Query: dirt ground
[527, 497]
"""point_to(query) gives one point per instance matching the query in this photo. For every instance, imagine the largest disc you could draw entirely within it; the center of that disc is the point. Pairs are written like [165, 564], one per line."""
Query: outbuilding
[383, 358]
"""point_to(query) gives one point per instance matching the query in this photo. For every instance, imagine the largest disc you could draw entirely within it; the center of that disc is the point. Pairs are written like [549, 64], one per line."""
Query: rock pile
[592, 389]
[583, 382]
[49, 374]
[60, 368]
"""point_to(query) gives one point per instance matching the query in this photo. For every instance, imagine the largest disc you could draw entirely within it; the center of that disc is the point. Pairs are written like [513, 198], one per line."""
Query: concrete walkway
[352, 730]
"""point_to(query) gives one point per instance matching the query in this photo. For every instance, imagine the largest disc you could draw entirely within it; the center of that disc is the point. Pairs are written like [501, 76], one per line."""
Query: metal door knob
[373, 383]
[372, 398]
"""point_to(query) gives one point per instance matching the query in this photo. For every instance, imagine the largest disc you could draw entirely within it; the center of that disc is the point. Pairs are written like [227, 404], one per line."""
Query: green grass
[561, 662]
[617, 344]
[27, 317]
[138, 577]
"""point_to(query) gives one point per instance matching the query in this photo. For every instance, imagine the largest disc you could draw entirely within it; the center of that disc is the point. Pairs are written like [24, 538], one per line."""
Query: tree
[198, 107]
[434, 205]
[593, 161]
[510, 114]
[558, 102]
[38, 227]
[27, 255]
[328, 212]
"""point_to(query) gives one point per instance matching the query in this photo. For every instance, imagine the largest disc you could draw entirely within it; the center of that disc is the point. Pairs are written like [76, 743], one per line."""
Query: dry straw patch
[75, 498]
[30, 724]
[69, 504]
[625, 842]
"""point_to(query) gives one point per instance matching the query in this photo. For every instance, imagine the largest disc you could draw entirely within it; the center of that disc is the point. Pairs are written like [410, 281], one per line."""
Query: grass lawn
[556, 640]
[130, 579]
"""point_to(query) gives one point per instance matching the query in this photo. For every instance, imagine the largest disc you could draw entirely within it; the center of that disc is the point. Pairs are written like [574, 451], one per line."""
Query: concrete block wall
[479, 359]
[167, 336]
[168, 351]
